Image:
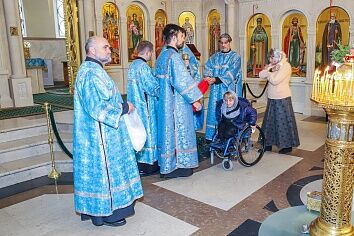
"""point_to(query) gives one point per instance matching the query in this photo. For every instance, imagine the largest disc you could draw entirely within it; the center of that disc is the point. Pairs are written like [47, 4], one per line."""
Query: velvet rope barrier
[57, 136]
[249, 90]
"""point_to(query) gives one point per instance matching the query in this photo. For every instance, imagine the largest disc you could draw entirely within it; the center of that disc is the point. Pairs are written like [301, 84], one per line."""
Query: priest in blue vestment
[143, 91]
[223, 72]
[176, 138]
[106, 176]
[192, 66]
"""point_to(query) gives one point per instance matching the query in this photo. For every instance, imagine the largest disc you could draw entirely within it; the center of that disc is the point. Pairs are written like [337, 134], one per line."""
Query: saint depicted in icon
[332, 35]
[214, 34]
[294, 46]
[259, 49]
[135, 30]
[110, 29]
[158, 35]
[189, 31]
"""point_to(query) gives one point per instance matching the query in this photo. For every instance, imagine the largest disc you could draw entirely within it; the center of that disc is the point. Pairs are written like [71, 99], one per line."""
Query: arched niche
[187, 20]
[110, 28]
[294, 41]
[332, 27]
[258, 43]
[160, 22]
[213, 31]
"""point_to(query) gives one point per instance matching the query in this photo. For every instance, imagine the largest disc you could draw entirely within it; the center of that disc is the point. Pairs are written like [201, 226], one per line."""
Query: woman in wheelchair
[237, 134]
[232, 114]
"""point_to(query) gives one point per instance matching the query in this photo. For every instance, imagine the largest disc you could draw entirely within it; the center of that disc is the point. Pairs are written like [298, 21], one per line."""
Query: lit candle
[323, 87]
[351, 83]
[341, 89]
[325, 95]
[351, 89]
[314, 84]
[330, 90]
[326, 72]
[335, 88]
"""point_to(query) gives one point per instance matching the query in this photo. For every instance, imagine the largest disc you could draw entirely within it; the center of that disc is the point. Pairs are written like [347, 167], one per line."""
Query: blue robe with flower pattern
[176, 139]
[227, 67]
[142, 91]
[194, 71]
[106, 175]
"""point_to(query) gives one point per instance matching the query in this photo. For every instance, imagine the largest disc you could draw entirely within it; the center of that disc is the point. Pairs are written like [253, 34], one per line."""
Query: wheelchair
[247, 146]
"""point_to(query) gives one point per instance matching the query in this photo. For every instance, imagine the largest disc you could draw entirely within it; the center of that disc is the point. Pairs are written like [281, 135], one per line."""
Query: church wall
[35, 13]
[277, 10]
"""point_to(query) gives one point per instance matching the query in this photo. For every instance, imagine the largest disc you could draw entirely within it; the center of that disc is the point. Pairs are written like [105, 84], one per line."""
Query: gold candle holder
[338, 177]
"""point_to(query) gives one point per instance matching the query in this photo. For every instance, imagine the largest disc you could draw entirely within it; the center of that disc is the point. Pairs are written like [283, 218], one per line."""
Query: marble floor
[211, 202]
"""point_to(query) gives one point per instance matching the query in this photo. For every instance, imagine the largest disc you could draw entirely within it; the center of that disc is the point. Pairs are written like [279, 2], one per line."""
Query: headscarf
[233, 111]
[277, 54]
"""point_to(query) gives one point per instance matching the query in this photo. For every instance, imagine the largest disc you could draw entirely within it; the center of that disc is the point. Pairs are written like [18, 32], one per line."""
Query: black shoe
[115, 224]
[268, 148]
[85, 217]
[180, 172]
[285, 150]
[147, 169]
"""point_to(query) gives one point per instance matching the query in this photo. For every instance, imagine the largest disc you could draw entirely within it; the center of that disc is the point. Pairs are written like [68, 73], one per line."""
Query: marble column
[89, 17]
[20, 84]
[5, 99]
[243, 55]
[310, 108]
[151, 37]
[124, 42]
[231, 22]
[351, 33]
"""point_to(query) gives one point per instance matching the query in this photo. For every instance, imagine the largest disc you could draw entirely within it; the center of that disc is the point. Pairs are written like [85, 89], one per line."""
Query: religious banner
[135, 29]
[187, 20]
[294, 38]
[258, 44]
[332, 28]
[213, 31]
[110, 27]
[160, 22]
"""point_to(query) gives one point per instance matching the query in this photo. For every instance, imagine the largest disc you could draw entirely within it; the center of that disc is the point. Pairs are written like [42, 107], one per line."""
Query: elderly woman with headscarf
[279, 124]
[232, 114]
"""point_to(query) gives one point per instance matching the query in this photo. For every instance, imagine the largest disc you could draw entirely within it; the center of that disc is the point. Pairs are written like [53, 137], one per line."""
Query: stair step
[17, 171]
[23, 132]
[24, 127]
[30, 146]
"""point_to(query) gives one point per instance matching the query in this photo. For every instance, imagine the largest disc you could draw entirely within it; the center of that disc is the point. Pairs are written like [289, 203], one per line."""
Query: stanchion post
[54, 173]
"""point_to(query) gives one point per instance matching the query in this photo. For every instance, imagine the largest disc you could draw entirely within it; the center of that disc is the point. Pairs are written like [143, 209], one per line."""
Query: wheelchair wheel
[227, 164]
[251, 146]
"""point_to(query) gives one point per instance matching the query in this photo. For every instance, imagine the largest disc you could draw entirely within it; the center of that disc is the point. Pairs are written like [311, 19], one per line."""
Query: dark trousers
[148, 169]
[117, 215]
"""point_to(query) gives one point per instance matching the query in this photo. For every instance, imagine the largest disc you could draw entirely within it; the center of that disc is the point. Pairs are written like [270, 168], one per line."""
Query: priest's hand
[197, 105]
[210, 80]
[131, 108]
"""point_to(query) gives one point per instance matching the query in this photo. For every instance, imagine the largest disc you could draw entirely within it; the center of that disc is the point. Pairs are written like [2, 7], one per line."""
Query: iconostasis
[332, 29]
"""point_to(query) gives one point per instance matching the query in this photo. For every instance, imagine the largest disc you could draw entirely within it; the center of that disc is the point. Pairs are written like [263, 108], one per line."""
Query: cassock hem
[108, 214]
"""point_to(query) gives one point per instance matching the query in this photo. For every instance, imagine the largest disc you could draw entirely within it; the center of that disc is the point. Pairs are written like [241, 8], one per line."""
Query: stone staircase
[24, 150]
